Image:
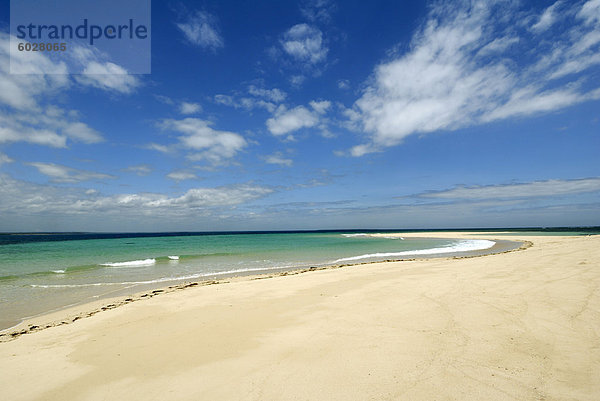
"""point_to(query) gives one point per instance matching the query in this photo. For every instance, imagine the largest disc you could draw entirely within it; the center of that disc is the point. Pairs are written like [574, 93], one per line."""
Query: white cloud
[205, 142]
[217, 197]
[547, 19]
[18, 133]
[250, 104]
[94, 68]
[159, 147]
[22, 198]
[320, 107]
[181, 175]
[49, 127]
[59, 173]
[259, 98]
[277, 158]
[164, 99]
[529, 101]
[140, 169]
[498, 45]
[81, 132]
[285, 121]
[317, 10]
[297, 80]
[458, 73]
[108, 76]
[5, 159]
[202, 30]
[273, 95]
[189, 108]
[224, 99]
[305, 43]
[246, 103]
[343, 84]
[590, 12]
[524, 190]
[360, 150]
[21, 91]
[39, 76]
[581, 55]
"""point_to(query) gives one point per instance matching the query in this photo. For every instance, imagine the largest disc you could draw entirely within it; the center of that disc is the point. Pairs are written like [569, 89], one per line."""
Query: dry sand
[523, 325]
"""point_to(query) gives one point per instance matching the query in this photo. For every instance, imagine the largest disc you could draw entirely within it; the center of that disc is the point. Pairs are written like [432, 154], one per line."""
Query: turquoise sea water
[41, 273]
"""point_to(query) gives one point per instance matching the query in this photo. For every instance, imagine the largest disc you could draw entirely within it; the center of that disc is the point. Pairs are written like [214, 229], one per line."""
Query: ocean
[40, 273]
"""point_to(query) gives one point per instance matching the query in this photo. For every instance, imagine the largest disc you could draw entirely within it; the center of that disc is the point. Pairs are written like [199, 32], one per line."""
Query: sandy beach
[522, 325]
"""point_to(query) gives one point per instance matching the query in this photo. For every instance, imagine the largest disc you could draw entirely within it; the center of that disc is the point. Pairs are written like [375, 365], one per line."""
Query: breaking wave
[132, 263]
[461, 246]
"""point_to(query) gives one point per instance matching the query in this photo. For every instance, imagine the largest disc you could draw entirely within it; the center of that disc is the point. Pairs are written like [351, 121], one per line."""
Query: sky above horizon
[315, 114]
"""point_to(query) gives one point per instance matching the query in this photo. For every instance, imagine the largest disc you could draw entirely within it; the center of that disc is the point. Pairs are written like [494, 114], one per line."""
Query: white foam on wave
[131, 263]
[173, 257]
[59, 271]
[68, 285]
[372, 235]
[461, 246]
[163, 279]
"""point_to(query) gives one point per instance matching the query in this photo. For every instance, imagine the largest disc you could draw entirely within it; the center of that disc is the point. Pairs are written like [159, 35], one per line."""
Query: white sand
[522, 325]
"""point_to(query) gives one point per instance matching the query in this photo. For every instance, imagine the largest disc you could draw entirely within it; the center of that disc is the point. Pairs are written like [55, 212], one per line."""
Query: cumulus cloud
[320, 107]
[297, 80]
[95, 69]
[51, 126]
[182, 106]
[5, 159]
[180, 175]
[160, 148]
[522, 190]
[286, 121]
[15, 132]
[278, 158]
[343, 84]
[108, 76]
[189, 108]
[20, 91]
[24, 114]
[256, 97]
[225, 100]
[459, 71]
[81, 132]
[204, 142]
[305, 43]
[201, 29]
[64, 174]
[274, 95]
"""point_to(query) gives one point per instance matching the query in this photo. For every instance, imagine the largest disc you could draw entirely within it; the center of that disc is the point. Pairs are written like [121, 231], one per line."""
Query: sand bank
[520, 325]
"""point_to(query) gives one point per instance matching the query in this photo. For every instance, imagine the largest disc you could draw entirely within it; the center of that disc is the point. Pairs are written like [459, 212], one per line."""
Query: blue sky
[315, 115]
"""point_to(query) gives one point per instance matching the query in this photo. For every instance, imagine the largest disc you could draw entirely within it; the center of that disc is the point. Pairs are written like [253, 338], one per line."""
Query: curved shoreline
[73, 313]
[516, 325]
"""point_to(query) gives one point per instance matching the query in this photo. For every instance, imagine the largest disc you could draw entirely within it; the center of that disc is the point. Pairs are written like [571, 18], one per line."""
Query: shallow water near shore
[39, 274]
